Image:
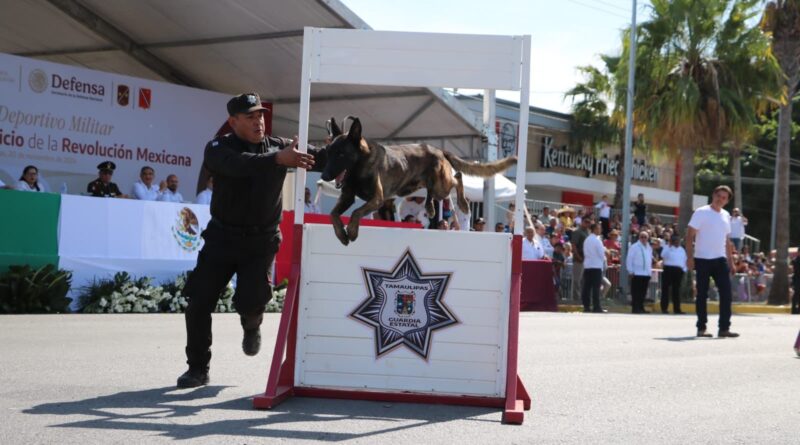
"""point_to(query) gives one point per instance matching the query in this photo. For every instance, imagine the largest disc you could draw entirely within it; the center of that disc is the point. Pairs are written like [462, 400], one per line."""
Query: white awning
[232, 46]
[504, 189]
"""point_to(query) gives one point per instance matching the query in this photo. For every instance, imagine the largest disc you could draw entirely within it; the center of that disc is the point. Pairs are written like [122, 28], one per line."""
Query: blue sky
[564, 33]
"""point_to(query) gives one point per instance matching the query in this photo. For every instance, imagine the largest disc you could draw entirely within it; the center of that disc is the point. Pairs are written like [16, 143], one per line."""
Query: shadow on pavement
[688, 338]
[159, 410]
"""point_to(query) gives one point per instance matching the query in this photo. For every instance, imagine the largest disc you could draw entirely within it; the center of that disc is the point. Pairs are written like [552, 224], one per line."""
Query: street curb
[689, 308]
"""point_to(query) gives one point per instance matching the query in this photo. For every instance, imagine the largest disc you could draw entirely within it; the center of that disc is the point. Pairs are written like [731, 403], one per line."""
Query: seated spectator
[480, 225]
[310, 207]
[29, 181]
[204, 197]
[102, 187]
[499, 227]
[171, 194]
[144, 189]
[443, 225]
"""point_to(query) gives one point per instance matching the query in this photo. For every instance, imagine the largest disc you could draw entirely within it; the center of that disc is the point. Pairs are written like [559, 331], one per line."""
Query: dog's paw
[341, 235]
[352, 233]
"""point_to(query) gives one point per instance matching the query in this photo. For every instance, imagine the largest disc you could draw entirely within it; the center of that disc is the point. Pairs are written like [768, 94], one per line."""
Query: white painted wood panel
[355, 293]
[370, 57]
[468, 357]
[376, 382]
[362, 347]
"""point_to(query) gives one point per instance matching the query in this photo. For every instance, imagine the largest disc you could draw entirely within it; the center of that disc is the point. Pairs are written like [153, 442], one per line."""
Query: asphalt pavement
[594, 378]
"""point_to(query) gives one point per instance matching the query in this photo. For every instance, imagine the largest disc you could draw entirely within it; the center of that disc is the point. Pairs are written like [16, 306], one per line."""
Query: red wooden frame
[280, 382]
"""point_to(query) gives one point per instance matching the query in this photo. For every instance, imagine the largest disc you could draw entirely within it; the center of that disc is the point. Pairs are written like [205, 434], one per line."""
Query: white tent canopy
[233, 46]
[504, 189]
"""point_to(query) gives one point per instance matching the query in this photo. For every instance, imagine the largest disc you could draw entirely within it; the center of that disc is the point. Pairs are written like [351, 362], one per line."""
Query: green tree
[597, 118]
[781, 20]
[696, 88]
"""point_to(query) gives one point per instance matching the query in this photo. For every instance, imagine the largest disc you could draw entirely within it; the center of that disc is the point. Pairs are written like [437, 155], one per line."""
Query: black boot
[193, 378]
[251, 343]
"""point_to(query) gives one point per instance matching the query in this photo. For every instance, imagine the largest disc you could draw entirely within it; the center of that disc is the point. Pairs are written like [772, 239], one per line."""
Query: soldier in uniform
[242, 237]
[102, 187]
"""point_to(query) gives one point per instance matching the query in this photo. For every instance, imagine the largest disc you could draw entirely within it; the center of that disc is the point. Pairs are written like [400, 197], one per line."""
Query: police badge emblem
[404, 306]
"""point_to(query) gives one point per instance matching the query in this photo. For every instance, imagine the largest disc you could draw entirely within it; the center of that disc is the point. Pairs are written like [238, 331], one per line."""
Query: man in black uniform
[242, 237]
[102, 187]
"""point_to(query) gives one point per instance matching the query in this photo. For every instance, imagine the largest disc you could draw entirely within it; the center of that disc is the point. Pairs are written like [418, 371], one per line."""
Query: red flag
[144, 98]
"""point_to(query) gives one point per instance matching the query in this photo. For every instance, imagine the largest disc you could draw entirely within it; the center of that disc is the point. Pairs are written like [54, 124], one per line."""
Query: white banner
[65, 120]
[101, 236]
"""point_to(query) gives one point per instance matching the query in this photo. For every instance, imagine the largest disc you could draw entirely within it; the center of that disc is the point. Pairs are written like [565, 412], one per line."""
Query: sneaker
[703, 333]
[251, 343]
[726, 334]
[193, 378]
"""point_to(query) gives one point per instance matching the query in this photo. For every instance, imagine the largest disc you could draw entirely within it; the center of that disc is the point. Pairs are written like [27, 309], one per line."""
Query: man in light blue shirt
[171, 194]
[144, 189]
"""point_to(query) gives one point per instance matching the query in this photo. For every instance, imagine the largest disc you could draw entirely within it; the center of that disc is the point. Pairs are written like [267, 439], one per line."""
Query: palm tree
[597, 118]
[694, 89]
[781, 20]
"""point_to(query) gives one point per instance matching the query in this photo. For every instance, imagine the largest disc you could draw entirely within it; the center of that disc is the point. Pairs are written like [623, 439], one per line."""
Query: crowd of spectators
[145, 189]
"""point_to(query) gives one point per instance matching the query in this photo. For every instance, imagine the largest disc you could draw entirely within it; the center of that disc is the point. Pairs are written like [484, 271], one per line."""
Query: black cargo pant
[671, 281]
[639, 286]
[246, 252]
[590, 293]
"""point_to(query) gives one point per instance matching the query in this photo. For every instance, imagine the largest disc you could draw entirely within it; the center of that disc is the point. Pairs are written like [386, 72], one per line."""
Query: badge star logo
[404, 306]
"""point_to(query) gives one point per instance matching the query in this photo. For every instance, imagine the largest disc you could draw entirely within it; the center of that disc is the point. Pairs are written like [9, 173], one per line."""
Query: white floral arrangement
[123, 294]
[127, 295]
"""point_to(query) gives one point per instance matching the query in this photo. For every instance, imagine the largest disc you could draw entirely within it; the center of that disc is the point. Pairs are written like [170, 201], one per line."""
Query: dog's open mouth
[340, 179]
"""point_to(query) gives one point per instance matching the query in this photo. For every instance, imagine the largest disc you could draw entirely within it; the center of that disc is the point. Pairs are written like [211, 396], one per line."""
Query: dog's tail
[484, 170]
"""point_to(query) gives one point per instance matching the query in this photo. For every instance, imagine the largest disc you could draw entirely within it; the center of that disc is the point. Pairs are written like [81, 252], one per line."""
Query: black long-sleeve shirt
[248, 180]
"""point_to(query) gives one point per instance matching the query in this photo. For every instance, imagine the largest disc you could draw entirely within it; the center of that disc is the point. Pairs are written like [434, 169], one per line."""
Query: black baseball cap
[245, 103]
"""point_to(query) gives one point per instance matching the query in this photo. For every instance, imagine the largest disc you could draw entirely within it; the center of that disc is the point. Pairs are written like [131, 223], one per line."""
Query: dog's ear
[354, 133]
[333, 129]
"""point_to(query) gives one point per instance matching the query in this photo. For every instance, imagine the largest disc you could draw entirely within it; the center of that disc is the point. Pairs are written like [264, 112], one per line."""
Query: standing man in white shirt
[709, 252]
[171, 194]
[144, 188]
[738, 222]
[640, 267]
[674, 257]
[204, 197]
[604, 212]
[531, 249]
[593, 257]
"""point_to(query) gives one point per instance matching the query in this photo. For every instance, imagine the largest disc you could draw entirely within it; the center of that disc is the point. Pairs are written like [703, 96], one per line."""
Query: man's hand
[291, 157]
[690, 264]
[162, 186]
